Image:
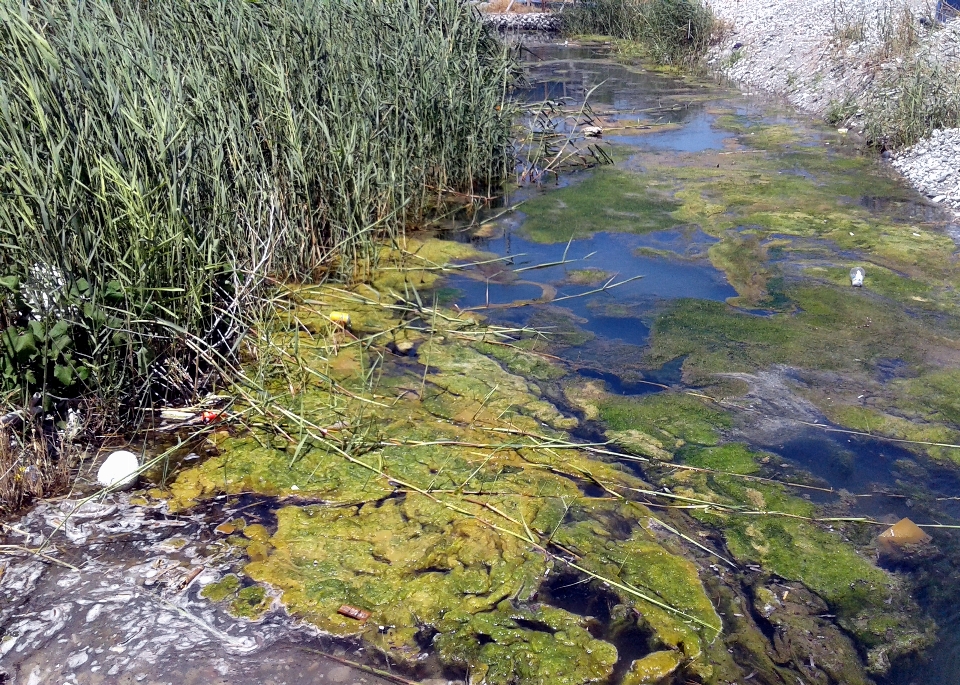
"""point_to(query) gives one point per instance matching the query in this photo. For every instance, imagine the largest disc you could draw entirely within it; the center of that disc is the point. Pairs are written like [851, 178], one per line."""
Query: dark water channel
[889, 480]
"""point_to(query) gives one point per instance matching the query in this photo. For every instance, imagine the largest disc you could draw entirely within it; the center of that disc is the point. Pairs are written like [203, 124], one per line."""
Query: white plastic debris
[856, 276]
[591, 131]
[119, 469]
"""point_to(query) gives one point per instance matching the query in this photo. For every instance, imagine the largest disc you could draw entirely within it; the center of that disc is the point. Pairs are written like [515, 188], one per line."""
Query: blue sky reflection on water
[612, 314]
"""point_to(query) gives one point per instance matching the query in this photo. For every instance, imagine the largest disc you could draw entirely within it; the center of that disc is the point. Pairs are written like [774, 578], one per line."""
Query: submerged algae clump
[834, 330]
[607, 200]
[924, 410]
[541, 644]
[644, 575]
[219, 591]
[246, 602]
[652, 668]
[589, 276]
[763, 524]
[653, 425]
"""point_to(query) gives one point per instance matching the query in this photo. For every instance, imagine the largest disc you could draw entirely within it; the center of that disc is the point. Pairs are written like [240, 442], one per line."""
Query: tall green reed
[165, 161]
[673, 32]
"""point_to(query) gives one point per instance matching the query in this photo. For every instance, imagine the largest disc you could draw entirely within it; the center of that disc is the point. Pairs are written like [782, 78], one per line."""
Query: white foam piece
[119, 469]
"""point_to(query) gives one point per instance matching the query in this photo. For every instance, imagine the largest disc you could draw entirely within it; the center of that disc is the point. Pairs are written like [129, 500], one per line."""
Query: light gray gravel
[812, 52]
[531, 21]
[933, 166]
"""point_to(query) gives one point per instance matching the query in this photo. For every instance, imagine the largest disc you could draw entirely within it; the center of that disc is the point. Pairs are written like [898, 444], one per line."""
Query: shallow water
[615, 253]
[888, 479]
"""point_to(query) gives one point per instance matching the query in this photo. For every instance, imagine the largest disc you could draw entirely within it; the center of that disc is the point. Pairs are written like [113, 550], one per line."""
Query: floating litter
[353, 612]
[341, 319]
[856, 276]
[119, 470]
[903, 532]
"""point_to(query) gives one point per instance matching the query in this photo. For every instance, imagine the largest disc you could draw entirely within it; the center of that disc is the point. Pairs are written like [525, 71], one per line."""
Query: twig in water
[692, 541]
[831, 429]
[38, 552]
[363, 667]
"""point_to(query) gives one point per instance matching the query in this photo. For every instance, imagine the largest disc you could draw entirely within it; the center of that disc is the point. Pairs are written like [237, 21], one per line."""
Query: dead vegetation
[911, 84]
[37, 459]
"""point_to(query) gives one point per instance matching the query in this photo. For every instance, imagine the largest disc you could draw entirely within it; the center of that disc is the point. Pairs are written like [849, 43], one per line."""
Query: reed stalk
[166, 162]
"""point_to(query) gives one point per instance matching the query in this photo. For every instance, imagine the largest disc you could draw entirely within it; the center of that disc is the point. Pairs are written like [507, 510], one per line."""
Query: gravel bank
[531, 21]
[933, 166]
[824, 52]
[805, 51]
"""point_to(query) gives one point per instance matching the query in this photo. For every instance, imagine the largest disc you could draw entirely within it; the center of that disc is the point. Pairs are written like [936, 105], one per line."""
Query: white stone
[77, 660]
[119, 469]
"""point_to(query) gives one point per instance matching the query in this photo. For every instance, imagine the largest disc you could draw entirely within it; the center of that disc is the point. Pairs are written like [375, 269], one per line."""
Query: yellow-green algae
[761, 522]
[524, 359]
[607, 200]
[803, 196]
[247, 602]
[250, 602]
[225, 587]
[654, 425]
[426, 504]
[652, 668]
[757, 134]
[498, 650]
[834, 329]
[639, 561]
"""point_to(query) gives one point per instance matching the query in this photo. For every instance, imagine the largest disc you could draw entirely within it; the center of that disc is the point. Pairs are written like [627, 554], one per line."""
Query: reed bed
[165, 161]
[672, 32]
[913, 89]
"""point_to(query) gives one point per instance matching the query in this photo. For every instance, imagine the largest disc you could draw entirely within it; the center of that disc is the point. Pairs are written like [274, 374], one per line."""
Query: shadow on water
[653, 381]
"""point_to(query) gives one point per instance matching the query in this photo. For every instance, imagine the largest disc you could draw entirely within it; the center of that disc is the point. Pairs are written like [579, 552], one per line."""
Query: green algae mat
[441, 502]
[429, 496]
